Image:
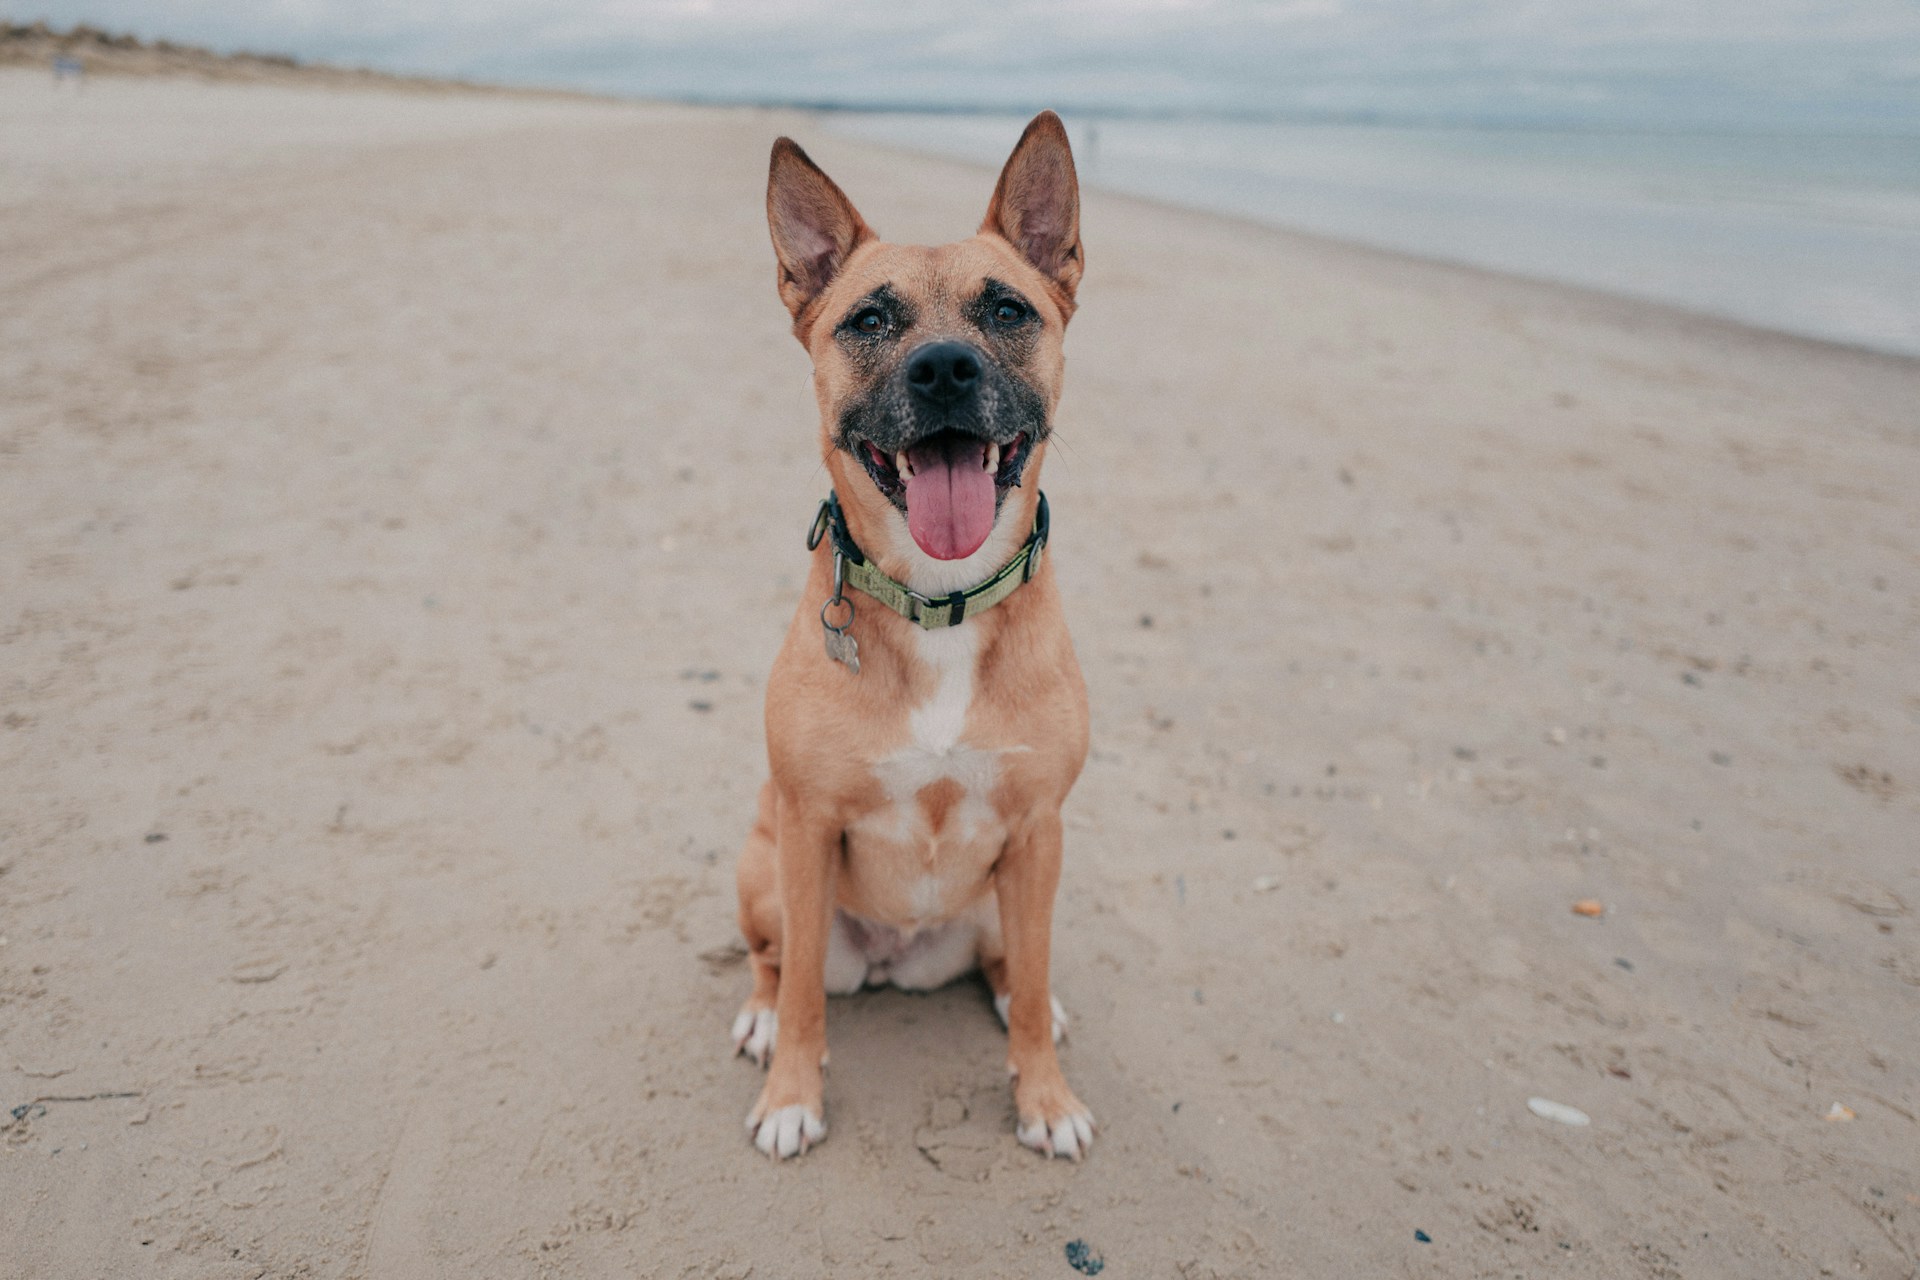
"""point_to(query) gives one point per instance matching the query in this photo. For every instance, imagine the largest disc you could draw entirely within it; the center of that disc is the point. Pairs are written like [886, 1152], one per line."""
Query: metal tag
[843, 648]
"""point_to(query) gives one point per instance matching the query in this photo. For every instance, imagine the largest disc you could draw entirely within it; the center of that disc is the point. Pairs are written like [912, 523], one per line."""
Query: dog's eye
[1009, 312]
[872, 320]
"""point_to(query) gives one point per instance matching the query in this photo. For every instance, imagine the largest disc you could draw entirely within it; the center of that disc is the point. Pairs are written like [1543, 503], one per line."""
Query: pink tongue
[949, 498]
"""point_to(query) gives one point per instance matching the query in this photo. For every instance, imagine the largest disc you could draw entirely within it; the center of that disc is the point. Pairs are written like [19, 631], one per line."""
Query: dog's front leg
[1051, 1120]
[790, 1116]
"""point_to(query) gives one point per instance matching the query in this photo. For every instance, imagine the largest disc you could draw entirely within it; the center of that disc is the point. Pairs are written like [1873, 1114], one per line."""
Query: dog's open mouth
[951, 484]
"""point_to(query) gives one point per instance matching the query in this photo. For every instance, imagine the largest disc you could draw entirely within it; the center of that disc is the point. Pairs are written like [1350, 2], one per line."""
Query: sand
[400, 503]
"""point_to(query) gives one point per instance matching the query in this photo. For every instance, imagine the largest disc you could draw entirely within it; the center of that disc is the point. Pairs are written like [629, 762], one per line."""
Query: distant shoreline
[101, 52]
[1329, 119]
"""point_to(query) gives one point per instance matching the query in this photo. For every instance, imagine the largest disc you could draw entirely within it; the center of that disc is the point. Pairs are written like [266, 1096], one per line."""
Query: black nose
[944, 372]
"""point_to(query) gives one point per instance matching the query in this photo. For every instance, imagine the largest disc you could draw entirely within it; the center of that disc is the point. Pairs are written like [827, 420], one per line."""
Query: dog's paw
[1053, 1121]
[1069, 1134]
[1002, 1002]
[753, 1033]
[786, 1131]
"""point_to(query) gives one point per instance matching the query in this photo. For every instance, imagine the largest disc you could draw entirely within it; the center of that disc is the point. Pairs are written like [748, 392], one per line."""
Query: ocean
[1809, 234]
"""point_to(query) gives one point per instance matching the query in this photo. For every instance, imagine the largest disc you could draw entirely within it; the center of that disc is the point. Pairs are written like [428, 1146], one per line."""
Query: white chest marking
[935, 752]
[938, 722]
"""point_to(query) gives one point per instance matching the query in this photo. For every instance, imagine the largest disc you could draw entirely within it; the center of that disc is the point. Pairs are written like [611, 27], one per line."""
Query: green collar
[928, 612]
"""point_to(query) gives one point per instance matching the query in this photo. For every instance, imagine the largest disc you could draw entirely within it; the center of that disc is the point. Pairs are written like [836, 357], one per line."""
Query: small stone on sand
[1559, 1112]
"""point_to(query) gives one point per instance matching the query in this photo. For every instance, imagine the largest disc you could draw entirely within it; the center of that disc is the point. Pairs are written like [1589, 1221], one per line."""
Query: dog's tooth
[903, 465]
[992, 462]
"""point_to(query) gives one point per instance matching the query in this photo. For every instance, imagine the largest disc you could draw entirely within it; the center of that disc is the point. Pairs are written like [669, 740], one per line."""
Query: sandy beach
[401, 500]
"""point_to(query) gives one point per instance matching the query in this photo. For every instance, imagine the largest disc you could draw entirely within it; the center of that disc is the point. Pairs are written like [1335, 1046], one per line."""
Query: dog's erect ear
[815, 227]
[1036, 207]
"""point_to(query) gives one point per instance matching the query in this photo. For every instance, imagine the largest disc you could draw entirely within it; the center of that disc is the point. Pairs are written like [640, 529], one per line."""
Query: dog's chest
[921, 855]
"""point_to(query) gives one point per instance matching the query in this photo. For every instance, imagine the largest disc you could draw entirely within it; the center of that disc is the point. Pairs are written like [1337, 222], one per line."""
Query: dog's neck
[900, 558]
[880, 531]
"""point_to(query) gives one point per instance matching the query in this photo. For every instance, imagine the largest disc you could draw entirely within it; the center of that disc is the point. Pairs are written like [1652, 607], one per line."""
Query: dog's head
[937, 368]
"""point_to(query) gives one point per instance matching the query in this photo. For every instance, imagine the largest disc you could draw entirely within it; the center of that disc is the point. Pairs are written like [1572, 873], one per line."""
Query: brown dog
[924, 727]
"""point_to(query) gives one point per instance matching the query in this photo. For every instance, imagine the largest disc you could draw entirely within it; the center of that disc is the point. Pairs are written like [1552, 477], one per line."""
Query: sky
[1814, 65]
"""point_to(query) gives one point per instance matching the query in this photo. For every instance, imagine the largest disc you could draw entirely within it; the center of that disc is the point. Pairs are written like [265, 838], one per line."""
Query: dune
[402, 497]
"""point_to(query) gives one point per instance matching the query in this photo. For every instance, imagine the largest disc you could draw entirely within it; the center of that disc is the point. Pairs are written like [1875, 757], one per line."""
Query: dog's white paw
[753, 1033]
[1069, 1135]
[787, 1131]
[1003, 1002]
